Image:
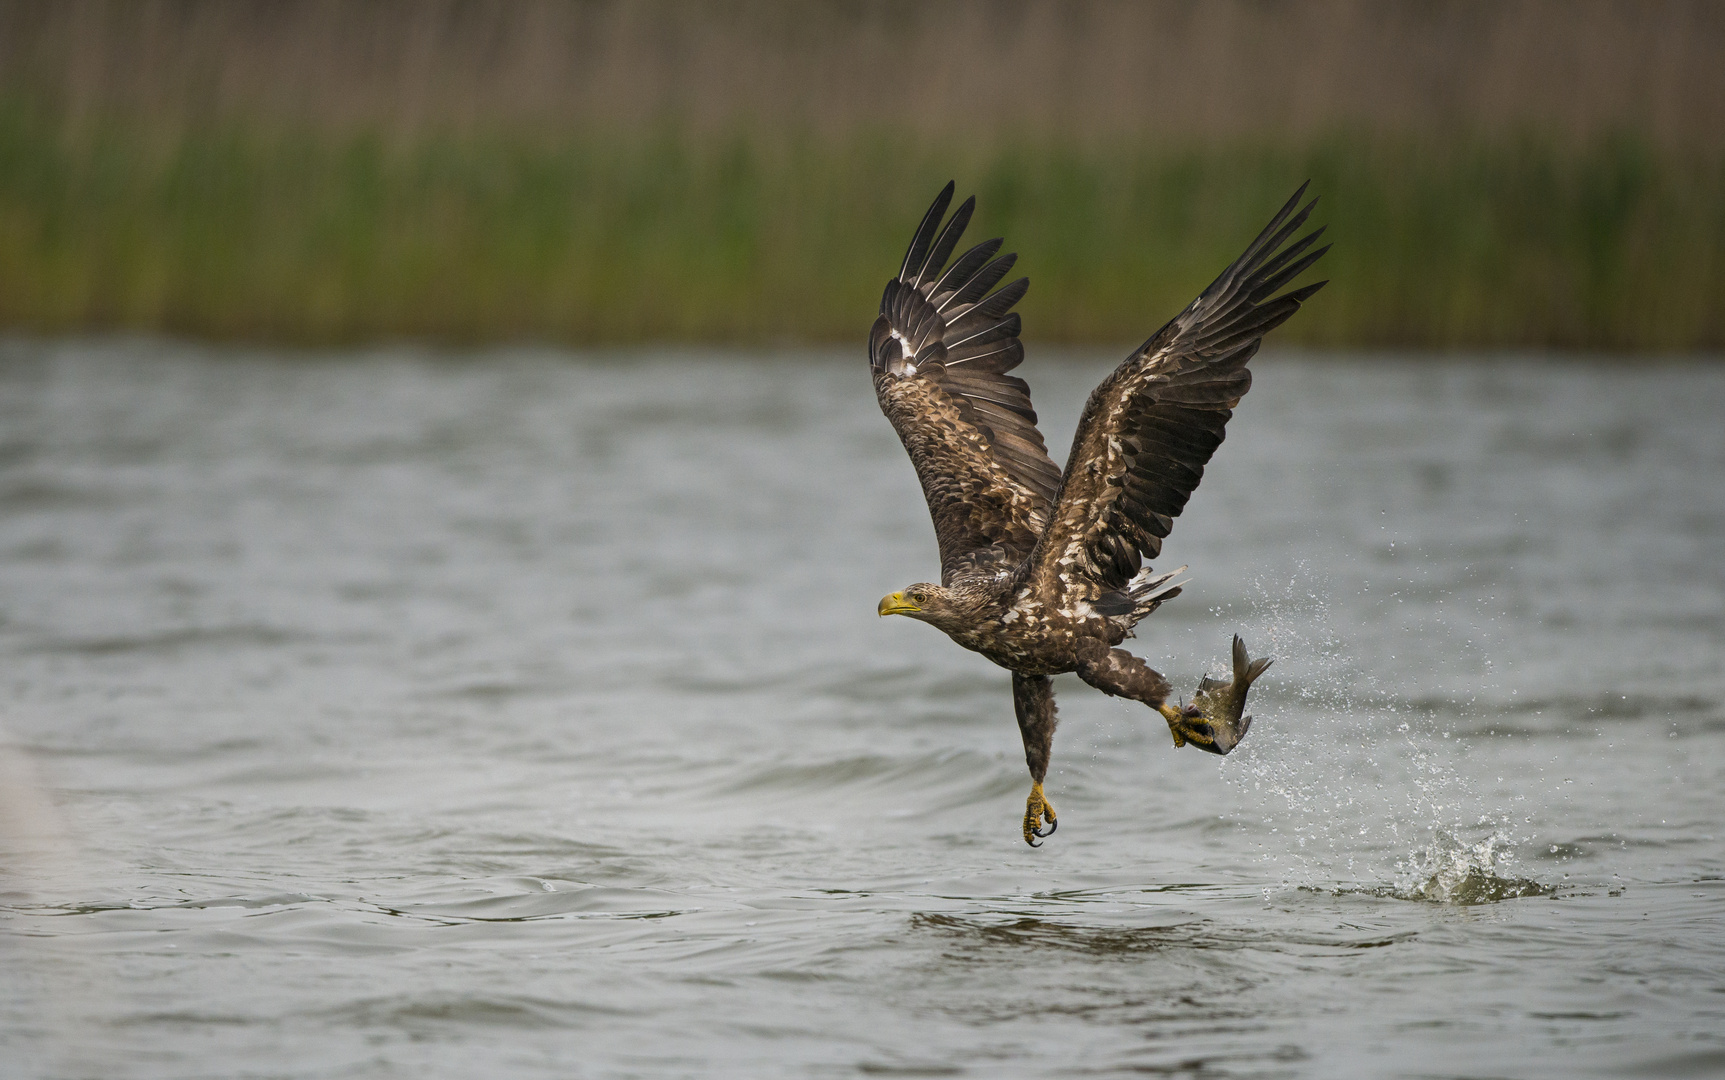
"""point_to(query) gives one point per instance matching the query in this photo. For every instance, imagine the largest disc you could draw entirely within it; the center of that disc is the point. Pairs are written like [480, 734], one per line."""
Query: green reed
[233, 232]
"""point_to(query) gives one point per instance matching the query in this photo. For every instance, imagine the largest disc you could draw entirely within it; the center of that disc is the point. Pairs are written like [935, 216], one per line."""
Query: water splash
[1450, 871]
[1344, 793]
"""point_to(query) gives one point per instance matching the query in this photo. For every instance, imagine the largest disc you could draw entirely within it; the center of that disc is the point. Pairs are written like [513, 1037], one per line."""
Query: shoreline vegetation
[1532, 175]
[297, 236]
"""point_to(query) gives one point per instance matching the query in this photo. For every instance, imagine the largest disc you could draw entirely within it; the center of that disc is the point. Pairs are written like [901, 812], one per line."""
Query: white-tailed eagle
[1042, 570]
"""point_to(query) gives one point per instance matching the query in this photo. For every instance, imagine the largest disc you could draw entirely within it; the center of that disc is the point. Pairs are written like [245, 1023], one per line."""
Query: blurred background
[305, 171]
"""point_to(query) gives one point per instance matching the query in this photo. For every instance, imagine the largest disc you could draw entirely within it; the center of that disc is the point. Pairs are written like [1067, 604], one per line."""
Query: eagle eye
[918, 597]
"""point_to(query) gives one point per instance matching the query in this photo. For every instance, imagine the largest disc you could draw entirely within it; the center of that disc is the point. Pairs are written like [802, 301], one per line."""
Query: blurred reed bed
[301, 234]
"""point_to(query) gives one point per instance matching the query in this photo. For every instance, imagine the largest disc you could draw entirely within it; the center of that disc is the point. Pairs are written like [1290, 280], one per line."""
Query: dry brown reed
[964, 69]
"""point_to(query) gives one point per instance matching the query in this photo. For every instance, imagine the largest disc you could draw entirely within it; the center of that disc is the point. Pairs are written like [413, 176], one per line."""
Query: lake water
[527, 714]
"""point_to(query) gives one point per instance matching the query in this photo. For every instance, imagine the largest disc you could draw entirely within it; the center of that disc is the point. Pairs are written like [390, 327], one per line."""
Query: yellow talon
[1175, 722]
[1190, 725]
[1036, 810]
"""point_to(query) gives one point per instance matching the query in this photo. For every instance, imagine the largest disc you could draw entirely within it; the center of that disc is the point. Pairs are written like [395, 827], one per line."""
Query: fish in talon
[1220, 704]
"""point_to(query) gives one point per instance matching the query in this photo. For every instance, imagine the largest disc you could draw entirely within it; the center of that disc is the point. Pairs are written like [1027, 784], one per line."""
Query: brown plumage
[1042, 570]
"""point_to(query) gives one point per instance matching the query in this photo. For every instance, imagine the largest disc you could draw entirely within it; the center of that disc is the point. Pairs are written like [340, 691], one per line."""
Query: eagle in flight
[1042, 571]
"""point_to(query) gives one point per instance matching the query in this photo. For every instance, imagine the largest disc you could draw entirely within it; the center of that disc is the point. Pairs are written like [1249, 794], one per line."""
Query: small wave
[534, 899]
[1449, 871]
[30, 494]
[867, 771]
[1029, 932]
[173, 640]
[436, 1011]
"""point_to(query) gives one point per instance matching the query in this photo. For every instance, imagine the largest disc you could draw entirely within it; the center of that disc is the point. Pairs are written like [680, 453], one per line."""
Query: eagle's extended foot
[1213, 721]
[1037, 810]
[1189, 725]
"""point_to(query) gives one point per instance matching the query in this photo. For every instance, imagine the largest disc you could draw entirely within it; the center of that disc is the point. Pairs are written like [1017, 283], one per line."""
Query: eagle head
[930, 603]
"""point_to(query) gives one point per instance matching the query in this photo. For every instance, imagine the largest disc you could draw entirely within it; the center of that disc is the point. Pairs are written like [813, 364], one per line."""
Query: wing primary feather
[960, 271]
[1304, 292]
[1223, 290]
[1254, 323]
[1007, 327]
[1292, 226]
[992, 359]
[1220, 293]
[982, 281]
[1274, 226]
[925, 232]
[995, 307]
[1216, 338]
[1292, 251]
[1277, 280]
[949, 237]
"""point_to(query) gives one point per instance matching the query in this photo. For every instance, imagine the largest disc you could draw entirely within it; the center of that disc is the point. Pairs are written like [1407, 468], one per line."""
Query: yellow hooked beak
[896, 604]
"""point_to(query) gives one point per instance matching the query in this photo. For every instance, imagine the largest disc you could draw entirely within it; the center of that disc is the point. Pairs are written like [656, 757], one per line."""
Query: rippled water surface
[521, 715]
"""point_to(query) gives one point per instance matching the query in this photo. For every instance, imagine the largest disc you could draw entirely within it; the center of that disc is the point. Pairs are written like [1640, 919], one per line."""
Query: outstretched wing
[940, 353]
[1149, 429]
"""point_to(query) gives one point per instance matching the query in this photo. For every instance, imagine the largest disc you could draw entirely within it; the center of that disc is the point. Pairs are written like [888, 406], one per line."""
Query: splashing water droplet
[1352, 778]
[1450, 871]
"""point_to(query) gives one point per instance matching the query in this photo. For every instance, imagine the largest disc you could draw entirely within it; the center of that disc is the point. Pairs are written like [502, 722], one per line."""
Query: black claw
[1033, 843]
[1052, 825]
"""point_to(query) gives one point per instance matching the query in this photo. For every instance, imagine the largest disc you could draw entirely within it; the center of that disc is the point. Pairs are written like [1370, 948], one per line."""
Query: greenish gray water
[528, 715]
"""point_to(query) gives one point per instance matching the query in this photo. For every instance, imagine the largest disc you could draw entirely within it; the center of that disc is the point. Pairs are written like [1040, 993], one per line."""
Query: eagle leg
[1118, 673]
[1033, 701]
